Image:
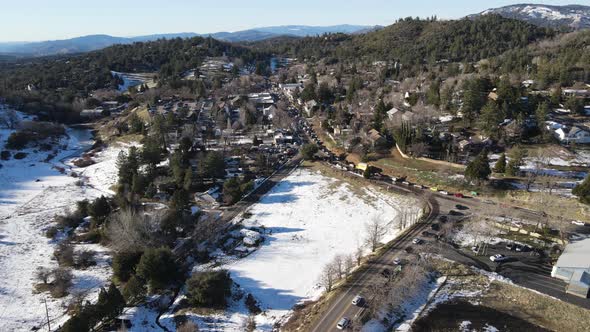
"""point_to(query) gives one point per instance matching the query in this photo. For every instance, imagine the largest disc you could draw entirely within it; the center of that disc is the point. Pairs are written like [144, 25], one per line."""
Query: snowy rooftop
[576, 255]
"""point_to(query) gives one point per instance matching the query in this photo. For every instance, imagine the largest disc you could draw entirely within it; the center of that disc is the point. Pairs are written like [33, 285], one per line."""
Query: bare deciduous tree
[328, 277]
[43, 274]
[358, 255]
[348, 264]
[131, 231]
[375, 232]
[338, 262]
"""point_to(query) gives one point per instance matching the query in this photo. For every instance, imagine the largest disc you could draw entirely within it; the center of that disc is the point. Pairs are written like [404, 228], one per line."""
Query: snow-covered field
[309, 218]
[33, 192]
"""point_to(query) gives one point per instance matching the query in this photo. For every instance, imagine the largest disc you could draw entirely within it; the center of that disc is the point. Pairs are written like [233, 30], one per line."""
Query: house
[576, 134]
[576, 93]
[375, 138]
[573, 267]
[94, 114]
[394, 114]
[310, 107]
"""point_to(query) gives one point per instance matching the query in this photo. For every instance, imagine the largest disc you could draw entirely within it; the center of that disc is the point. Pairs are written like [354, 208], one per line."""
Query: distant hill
[571, 16]
[96, 42]
[413, 42]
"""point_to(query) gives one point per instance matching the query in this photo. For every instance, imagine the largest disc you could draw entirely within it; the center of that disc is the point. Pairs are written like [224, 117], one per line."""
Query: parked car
[386, 273]
[428, 234]
[459, 195]
[498, 258]
[343, 323]
[455, 213]
[443, 219]
[444, 192]
[435, 189]
[475, 249]
[461, 207]
[435, 227]
[406, 183]
[397, 261]
[417, 241]
[358, 301]
[419, 186]
[510, 246]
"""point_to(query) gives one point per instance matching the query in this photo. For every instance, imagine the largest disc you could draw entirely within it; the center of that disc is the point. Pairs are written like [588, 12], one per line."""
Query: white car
[417, 241]
[444, 192]
[498, 258]
[397, 261]
[343, 323]
[358, 301]
[578, 223]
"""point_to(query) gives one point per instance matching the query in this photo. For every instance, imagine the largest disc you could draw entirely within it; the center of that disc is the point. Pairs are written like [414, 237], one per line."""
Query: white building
[573, 267]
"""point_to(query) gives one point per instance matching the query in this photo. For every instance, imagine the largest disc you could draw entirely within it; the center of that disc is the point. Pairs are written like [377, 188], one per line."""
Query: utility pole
[47, 315]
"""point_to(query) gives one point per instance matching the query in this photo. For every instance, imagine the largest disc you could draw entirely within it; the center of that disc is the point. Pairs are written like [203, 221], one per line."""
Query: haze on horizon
[38, 20]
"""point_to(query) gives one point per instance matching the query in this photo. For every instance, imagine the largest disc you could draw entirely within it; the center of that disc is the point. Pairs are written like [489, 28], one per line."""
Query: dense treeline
[50, 85]
[563, 59]
[414, 42]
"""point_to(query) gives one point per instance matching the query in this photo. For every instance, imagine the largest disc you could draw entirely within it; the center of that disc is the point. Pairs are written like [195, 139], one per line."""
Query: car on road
[397, 261]
[498, 258]
[417, 241]
[358, 301]
[343, 323]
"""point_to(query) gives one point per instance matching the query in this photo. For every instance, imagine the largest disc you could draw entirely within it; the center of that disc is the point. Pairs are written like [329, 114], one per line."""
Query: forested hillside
[58, 81]
[416, 41]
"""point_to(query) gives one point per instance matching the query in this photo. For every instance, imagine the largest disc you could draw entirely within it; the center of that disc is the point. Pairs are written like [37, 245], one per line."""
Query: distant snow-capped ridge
[573, 16]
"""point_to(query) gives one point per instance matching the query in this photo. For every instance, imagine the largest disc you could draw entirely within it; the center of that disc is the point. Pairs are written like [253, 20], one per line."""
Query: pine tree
[583, 191]
[500, 166]
[479, 169]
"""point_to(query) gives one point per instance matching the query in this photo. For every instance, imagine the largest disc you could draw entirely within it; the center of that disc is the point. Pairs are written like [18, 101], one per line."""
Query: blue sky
[30, 20]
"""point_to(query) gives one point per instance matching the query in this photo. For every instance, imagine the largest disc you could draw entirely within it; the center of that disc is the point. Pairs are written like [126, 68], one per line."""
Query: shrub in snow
[62, 280]
[124, 264]
[134, 290]
[5, 155]
[158, 268]
[64, 254]
[252, 305]
[85, 259]
[209, 289]
[20, 155]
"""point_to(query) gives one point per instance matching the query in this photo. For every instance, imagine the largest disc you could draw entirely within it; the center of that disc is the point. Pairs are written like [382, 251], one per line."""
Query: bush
[124, 264]
[85, 259]
[308, 151]
[18, 140]
[51, 232]
[158, 268]
[209, 289]
[134, 290]
[5, 155]
[20, 155]
[62, 280]
[64, 254]
[252, 305]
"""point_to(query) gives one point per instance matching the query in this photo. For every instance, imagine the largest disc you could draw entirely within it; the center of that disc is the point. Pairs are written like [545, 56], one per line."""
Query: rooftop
[576, 255]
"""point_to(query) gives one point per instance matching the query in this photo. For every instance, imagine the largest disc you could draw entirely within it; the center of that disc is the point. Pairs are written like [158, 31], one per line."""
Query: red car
[459, 195]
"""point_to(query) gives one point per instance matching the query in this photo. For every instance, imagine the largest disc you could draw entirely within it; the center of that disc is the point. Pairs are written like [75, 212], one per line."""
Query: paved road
[341, 305]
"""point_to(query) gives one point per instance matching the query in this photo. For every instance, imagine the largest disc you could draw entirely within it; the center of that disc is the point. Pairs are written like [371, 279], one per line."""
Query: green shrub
[158, 268]
[209, 289]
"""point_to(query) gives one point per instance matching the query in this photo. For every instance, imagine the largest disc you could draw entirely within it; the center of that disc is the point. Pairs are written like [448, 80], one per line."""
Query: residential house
[310, 107]
[375, 138]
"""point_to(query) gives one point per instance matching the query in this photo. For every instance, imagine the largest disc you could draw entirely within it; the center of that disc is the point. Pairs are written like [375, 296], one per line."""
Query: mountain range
[571, 16]
[95, 42]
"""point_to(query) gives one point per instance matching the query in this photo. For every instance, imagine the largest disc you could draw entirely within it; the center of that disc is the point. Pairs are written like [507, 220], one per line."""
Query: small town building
[573, 267]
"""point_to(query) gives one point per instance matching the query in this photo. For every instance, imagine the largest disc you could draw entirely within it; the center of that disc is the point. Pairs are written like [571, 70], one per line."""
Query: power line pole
[47, 315]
